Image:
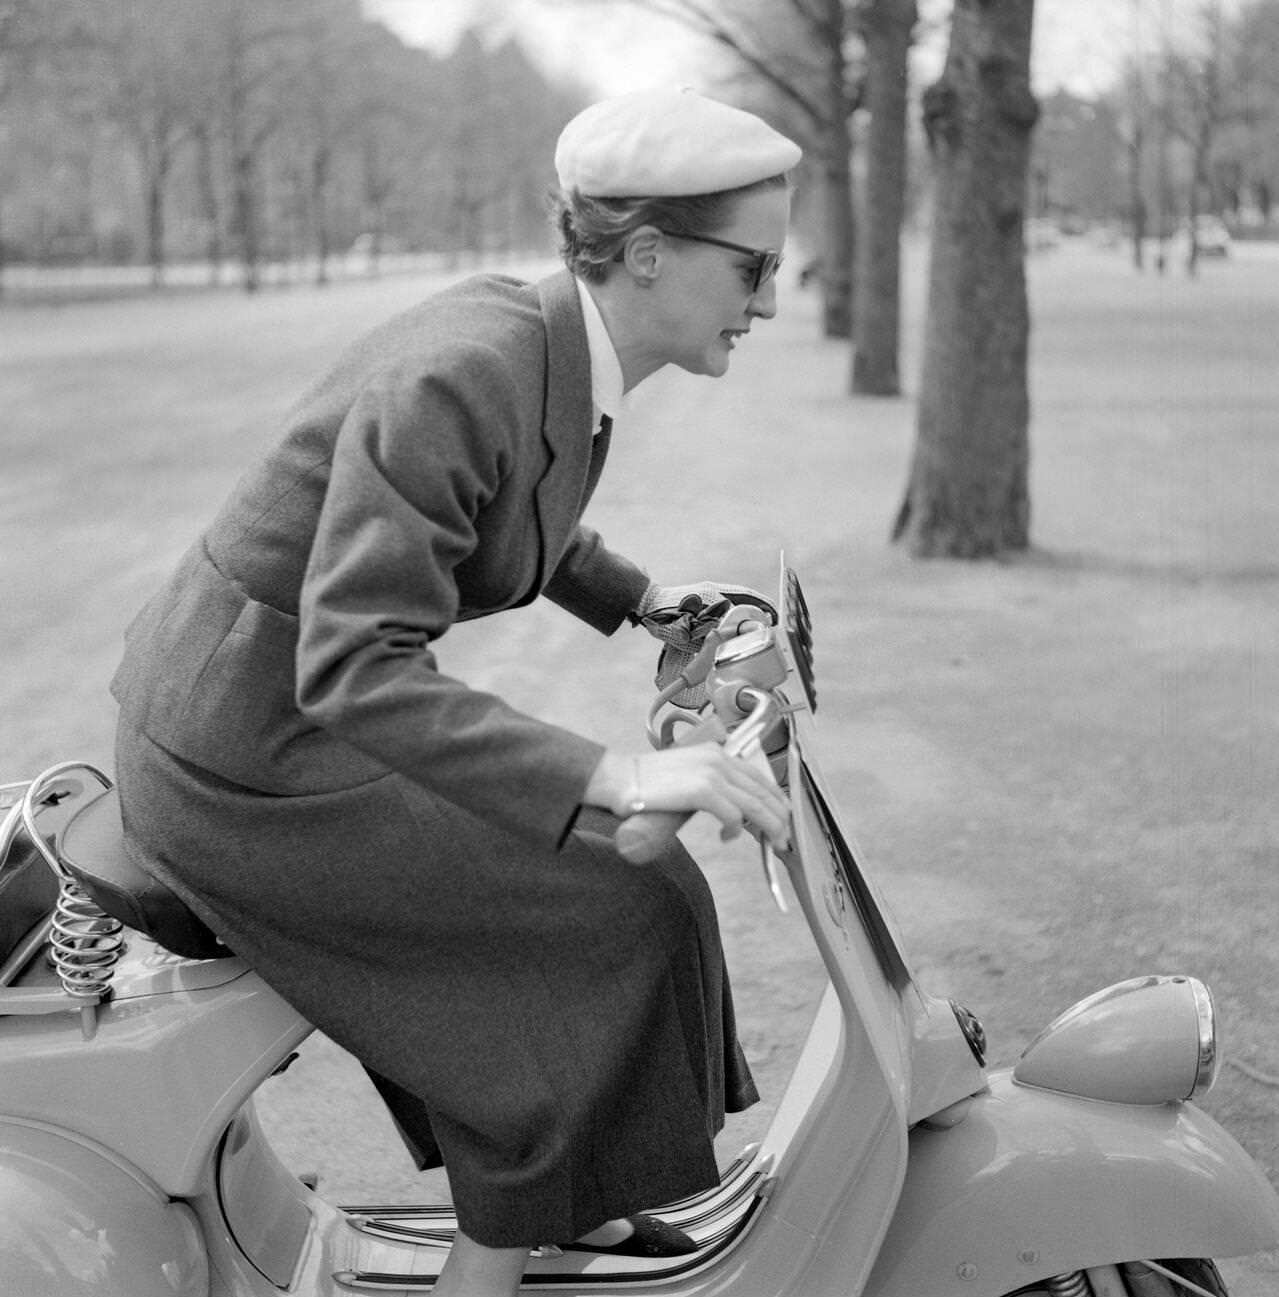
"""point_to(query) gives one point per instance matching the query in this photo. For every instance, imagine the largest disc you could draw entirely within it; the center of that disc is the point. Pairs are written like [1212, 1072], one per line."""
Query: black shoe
[652, 1237]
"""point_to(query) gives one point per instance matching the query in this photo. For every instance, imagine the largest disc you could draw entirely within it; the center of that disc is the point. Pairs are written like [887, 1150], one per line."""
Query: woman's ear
[642, 255]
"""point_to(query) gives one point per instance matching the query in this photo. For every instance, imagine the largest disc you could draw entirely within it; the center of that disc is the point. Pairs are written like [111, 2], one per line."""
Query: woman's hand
[679, 611]
[681, 616]
[696, 777]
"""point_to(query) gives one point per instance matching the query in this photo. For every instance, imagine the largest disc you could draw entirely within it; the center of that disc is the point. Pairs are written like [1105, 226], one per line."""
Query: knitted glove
[681, 616]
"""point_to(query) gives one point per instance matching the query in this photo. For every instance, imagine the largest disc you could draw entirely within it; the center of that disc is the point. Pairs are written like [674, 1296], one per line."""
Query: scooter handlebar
[643, 836]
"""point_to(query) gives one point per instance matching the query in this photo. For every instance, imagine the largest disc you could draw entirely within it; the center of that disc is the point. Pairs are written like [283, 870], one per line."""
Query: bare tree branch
[704, 21]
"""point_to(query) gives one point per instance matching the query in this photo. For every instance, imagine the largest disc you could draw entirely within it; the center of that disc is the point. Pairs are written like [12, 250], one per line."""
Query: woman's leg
[473, 1270]
[609, 1234]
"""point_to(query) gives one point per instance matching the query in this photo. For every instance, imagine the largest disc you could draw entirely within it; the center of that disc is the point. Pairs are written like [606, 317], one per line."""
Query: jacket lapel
[574, 459]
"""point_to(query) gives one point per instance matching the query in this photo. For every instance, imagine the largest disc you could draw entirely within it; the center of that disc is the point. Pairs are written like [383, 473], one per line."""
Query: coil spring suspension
[1074, 1284]
[85, 943]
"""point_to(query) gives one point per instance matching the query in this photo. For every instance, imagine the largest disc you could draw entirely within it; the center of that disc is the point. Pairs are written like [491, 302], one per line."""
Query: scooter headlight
[1145, 1041]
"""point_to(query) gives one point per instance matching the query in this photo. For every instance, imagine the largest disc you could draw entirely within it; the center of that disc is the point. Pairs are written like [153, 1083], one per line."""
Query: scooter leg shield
[77, 1222]
[1032, 1184]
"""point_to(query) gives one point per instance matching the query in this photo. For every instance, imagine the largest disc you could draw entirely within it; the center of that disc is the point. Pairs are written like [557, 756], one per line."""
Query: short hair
[593, 231]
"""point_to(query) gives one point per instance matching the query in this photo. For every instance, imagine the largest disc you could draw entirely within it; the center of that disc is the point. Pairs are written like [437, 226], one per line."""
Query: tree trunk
[206, 189]
[839, 224]
[245, 207]
[837, 255]
[1200, 183]
[1136, 199]
[1192, 222]
[157, 175]
[889, 26]
[968, 494]
[321, 170]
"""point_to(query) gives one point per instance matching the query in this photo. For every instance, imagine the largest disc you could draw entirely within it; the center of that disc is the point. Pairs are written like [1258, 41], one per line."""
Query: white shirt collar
[606, 369]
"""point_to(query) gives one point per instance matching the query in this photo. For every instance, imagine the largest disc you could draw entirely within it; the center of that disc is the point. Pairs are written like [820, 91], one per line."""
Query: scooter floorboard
[441, 1215]
[436, 1229]
[402, 1248]
[418, 1272]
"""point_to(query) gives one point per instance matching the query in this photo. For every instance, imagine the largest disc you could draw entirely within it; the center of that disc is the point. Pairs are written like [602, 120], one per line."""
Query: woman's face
[707, 299]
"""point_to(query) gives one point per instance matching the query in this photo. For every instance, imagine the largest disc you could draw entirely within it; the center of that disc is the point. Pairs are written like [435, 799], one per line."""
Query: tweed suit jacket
[438, 473]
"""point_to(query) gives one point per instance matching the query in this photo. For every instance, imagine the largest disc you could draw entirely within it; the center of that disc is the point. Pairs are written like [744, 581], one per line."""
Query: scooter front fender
[1032, 1184]
[76, 1221]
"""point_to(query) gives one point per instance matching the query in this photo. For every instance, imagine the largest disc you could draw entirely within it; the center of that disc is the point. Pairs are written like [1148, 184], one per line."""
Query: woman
[423, 871]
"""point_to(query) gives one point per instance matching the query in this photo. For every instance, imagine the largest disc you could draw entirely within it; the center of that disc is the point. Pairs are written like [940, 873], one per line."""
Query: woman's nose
[763, 301]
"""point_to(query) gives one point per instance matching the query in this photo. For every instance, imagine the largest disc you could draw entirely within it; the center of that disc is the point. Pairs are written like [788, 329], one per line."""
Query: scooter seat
[91, 847]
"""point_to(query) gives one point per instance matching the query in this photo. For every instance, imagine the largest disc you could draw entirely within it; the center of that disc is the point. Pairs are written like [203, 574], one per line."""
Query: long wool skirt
[555, 1028]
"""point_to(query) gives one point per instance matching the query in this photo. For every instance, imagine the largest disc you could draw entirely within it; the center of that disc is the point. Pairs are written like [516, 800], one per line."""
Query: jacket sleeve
[416, 459]
[593, 583]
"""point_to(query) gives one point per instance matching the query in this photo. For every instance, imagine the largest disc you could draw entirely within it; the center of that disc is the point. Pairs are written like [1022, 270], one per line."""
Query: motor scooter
[132, 1163]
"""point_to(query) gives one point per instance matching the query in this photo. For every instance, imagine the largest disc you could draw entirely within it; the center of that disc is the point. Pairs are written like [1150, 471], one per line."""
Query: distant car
[1212, 237]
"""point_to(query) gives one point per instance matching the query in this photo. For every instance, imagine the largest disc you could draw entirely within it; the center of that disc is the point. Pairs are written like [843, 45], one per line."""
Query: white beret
[666, 143]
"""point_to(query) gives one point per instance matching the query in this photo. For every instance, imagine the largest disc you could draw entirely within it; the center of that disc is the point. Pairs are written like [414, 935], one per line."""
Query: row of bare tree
[258, 128]
[245, 130]
[1198, 111]
[267, 126]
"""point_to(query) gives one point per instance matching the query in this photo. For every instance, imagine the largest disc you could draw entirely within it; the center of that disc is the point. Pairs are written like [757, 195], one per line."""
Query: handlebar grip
[641, 837]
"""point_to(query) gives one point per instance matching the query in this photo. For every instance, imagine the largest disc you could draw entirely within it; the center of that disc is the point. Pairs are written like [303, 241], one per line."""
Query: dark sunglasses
[766, 264]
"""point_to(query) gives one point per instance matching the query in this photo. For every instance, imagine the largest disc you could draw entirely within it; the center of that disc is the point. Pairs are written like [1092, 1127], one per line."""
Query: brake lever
[769, 862]
[739, 744]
